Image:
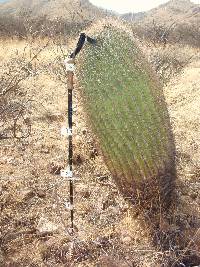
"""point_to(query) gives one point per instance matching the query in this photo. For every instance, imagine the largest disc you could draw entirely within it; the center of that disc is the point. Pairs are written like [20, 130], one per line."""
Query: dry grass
[108, 231]
[170, 60]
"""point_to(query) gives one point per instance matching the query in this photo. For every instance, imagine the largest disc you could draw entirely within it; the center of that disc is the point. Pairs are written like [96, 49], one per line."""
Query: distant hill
[179, 11]
[172, 22]
[70, 9]
[174, 10]
[182, 12]
[133, 16]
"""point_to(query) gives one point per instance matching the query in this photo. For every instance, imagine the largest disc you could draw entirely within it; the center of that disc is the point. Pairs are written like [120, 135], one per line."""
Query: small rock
[46, 227]
[86, 194]
[52, 241]
[54, 168]
[3, 160]
[83, 190]
[26, 195]
[102, 178]
[41, 193]
[78, 159]
[84, 132]
[103, 242]
[35, 173]
[93, 153]
[114, 210]
[77, 139]
[12, 161]
[126, 240]
[44, 149]
[8, 160]
[194, 195]
[105, 204]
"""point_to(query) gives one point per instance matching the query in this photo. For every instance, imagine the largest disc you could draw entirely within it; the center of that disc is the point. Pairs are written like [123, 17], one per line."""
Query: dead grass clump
[16, 102]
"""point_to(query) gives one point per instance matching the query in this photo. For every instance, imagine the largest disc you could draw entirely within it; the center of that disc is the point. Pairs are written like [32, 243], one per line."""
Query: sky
[125, 6]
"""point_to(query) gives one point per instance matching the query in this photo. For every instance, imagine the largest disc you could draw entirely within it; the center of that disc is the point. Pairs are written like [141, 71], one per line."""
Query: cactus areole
[125, 105]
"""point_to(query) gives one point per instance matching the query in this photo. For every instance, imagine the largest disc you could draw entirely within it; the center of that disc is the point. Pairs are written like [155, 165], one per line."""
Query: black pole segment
[70, 108]
[79, 45]
[70, 152]
[78, 48]
[82, 39]
[70, 155]
[71, 204]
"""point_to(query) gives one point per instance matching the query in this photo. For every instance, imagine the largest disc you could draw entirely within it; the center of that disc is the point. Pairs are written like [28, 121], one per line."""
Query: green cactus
[126, 108]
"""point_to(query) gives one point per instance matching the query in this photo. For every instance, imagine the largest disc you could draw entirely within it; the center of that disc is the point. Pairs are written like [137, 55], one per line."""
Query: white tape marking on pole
[69, 65]
[68, 206]
[66, 173]
[66, 131]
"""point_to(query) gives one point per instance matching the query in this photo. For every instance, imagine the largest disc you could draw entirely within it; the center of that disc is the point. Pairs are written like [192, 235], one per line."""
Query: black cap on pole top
[82, 39]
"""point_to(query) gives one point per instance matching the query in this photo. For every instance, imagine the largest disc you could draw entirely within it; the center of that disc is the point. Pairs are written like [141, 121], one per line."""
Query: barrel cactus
[126, 108]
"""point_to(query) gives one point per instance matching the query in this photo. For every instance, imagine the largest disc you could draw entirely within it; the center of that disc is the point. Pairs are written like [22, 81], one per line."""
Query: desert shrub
[15, 102]
[189, 34]
[25, 25]
[14, 106]
[154, 32]
[157, 33]
[170, 61]
[11, 26]
[125, 105]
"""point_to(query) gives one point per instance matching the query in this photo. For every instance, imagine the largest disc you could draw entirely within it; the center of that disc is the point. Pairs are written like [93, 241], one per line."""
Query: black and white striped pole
[68, 172]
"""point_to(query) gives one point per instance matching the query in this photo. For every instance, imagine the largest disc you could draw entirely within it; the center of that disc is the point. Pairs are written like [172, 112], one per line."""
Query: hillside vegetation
[176, 21]
[52, 9]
